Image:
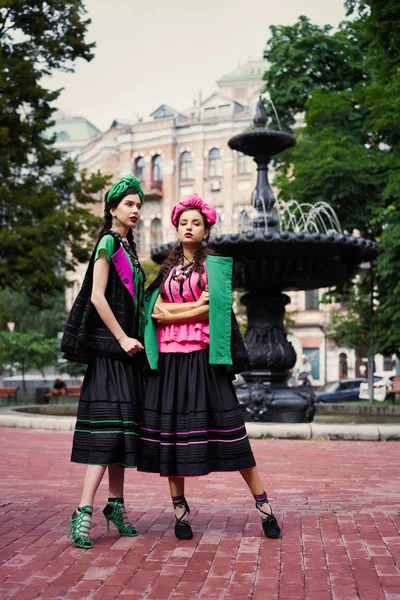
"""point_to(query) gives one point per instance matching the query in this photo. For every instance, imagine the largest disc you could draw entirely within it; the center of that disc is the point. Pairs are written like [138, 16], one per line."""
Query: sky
[165, 51]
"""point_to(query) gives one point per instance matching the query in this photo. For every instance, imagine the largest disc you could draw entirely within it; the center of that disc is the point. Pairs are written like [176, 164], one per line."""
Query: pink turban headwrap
[194, 201]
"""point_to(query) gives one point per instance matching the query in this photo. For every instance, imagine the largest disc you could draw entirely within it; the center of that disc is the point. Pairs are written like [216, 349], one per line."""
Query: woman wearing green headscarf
[105, 330]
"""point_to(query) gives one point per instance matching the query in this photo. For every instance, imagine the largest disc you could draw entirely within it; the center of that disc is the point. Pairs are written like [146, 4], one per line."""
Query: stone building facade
[177, 153]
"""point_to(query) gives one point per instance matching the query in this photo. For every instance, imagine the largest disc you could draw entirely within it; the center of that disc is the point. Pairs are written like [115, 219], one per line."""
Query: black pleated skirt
[191, 422]
[107, 424]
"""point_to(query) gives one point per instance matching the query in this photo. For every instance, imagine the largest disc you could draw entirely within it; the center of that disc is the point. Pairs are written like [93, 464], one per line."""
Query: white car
[382, 383]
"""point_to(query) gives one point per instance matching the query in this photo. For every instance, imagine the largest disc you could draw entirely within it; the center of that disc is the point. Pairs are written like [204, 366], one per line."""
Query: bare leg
[269, 522]
[177, 488]
[183, 531]
[253, 480]
[116, 478]
[93, 477]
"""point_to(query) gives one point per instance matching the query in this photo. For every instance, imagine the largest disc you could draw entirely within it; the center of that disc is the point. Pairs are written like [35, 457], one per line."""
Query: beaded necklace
[181, 271]
[127, 247]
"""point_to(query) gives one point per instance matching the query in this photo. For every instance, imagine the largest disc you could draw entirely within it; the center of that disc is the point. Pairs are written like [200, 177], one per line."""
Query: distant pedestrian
[58, 390]
[304, 376]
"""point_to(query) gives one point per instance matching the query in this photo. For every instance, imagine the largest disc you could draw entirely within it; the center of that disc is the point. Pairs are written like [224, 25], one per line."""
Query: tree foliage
[347, 85]
[25, 351]
[43, 200]
[16, 308]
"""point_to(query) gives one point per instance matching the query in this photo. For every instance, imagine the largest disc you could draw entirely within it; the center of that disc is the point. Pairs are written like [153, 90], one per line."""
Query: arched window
[156, 233]
[156, 170]
[243, 164]
[244, 221]
[139, 237]
[140, 168]
[343, 368]
[186, 166]
[214, 163]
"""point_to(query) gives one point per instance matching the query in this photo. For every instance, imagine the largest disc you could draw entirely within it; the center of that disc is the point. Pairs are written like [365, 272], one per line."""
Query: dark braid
[106, 225]
[132, 244]
[107, 218]
[176, 254]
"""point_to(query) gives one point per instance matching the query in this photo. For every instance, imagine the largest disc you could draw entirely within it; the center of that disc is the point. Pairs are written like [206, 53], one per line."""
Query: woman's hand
[130, 345]
[156, 309]
[204, 298]
[163, 316]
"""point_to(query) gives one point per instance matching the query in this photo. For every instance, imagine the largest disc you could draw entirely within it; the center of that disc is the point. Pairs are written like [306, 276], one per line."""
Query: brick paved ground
[338, 503]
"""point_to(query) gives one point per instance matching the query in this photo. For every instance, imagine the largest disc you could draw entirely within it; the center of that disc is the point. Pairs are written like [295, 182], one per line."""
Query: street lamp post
[367, 266]
[11, 327]
[323, 325]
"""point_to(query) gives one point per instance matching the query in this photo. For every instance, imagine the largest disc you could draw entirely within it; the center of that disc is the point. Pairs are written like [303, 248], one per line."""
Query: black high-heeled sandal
[183, 531]
[116, 513]
[269, 523]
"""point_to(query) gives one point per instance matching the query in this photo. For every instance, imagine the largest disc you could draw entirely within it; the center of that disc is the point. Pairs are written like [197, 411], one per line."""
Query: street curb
[294, 431]
[317, 431]
[38, 422]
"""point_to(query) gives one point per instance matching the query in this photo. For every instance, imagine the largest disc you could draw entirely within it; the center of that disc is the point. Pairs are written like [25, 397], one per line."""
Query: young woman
[191, 419]
[105, 330]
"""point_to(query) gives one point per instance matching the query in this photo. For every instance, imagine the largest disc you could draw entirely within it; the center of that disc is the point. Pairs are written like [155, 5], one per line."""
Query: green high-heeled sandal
[116, 513]
[79, 526]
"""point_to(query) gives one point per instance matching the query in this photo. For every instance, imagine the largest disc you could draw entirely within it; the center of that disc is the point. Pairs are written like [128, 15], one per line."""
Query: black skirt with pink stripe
[192, 423]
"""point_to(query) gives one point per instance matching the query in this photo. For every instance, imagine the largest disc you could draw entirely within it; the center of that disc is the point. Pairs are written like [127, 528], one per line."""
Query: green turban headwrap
[120, 187]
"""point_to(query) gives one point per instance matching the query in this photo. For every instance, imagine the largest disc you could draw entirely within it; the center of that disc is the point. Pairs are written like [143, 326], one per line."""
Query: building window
[139, 237]
[186, 166]
[156, 170]
[156, 233]
[343, 368]
[312, 300]
[214, 163]
[243, 164]
[140, 168]
[312, 355]
[388, 363]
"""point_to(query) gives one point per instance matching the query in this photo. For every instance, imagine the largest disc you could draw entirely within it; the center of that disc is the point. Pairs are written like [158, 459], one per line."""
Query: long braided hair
[106, 225]
[176, 254]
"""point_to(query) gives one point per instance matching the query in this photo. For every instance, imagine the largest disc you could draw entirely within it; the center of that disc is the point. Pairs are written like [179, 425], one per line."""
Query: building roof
[252, 70]
[165, 112]
[72, 129]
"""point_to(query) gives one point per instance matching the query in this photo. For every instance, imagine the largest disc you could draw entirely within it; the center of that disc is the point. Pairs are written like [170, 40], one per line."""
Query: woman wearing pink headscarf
[192, 423]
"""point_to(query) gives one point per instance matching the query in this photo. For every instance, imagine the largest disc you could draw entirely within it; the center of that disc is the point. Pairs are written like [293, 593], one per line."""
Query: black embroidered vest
[86, 335]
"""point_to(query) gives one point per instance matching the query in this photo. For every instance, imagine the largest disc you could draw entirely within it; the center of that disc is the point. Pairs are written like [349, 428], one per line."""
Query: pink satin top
[183, 337]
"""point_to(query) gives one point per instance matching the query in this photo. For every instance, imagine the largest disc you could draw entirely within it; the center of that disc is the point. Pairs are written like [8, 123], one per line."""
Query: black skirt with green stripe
[106, 430]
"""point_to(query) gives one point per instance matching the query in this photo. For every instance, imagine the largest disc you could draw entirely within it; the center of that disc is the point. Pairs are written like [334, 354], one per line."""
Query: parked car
[382, 383]
[341, 390]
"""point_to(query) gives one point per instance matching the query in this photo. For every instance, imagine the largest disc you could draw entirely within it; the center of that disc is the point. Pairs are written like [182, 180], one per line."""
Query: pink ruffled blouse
[183, 337]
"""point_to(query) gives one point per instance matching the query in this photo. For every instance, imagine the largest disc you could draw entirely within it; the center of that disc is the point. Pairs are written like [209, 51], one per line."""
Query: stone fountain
[268, 261]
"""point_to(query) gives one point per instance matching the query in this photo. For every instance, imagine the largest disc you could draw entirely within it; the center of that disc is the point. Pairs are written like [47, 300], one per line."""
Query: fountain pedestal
[265, 394]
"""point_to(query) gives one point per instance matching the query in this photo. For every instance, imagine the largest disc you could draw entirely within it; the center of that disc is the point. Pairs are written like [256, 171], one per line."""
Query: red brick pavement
[337, 502]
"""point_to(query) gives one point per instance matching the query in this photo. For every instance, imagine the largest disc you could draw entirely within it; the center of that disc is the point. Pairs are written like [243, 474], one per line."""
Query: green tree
[25, 351]
[43, 200]
[17, 308]
[347, 84]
